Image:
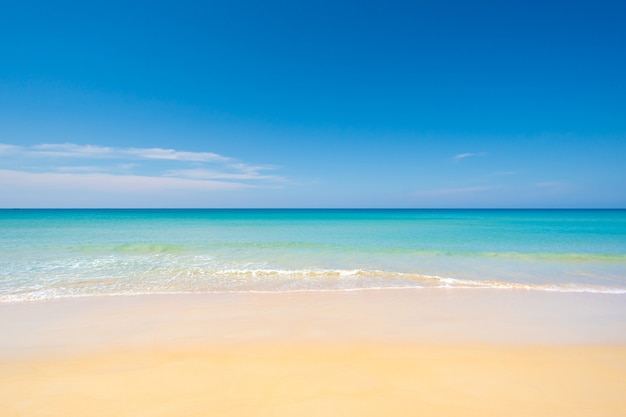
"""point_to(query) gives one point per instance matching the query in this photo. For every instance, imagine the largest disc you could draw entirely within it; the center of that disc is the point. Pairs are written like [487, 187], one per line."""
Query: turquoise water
[65, 253]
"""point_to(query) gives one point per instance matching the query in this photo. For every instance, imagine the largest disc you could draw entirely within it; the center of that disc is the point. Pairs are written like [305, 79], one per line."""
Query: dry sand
[369, 353]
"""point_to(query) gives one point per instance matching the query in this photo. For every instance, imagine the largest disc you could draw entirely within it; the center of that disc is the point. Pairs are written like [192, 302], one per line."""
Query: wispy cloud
[109, 182]
[73, 166]
[70, 150]
[87, 189]
[111, 169]
[250, 174]
[548, 184]
[67, 150]
[8, 149]
[174, 155]
[82, 169]
[461, 156]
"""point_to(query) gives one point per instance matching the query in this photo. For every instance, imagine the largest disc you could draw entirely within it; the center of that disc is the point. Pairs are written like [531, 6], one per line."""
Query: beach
[312, 312]
[396, 352]
[312, 209]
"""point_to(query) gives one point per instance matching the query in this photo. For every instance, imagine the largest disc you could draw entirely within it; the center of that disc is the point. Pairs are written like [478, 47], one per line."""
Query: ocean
[49, 254]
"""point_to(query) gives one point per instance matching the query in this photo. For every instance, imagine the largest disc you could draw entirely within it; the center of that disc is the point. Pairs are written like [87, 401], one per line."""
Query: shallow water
[65, 253]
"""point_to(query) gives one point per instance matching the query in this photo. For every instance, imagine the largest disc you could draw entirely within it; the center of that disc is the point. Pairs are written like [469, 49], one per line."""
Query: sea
[58, 253]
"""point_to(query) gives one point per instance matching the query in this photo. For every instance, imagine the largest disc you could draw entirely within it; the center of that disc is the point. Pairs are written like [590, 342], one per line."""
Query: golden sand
[373, 353]
[304, 380]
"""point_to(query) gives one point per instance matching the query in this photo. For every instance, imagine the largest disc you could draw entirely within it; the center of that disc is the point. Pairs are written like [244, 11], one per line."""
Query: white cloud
[461, 156]
[172, 154]
[26, 189]
[221, 167]
[92, 175]
[81, 169]
[9, 149]
[250, 174]
[107, 182]
[549, 184]
[102, 169]
[69, 150]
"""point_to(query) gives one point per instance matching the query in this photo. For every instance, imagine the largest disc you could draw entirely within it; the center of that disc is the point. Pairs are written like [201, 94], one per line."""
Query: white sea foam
[275, 281]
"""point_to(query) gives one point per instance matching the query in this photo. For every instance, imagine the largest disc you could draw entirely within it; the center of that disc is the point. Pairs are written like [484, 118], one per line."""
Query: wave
[420, 280]
[277, 281]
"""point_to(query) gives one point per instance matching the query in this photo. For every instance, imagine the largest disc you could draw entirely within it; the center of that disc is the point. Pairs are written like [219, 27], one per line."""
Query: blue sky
[313, 104]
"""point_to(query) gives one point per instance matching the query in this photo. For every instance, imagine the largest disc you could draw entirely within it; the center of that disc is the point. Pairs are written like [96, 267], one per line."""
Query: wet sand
[394, 353]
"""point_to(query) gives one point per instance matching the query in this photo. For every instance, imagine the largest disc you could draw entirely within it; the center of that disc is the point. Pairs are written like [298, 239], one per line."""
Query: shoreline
[431, 352]
[423, 316]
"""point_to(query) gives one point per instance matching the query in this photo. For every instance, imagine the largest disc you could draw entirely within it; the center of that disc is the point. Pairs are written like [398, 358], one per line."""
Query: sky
[381, 104]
